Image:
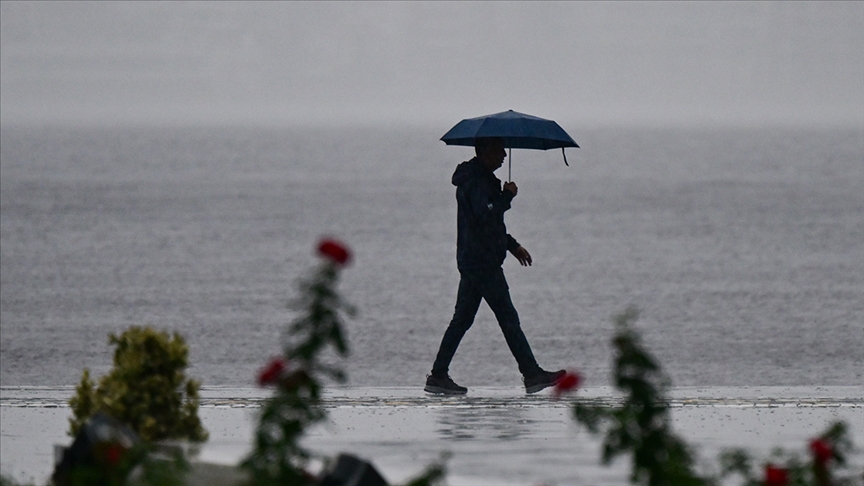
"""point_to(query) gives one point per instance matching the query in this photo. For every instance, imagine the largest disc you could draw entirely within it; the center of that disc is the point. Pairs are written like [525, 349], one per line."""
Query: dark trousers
[490, 285]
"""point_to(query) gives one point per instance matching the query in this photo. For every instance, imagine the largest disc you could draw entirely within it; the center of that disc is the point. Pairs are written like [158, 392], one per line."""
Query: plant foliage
[147, 388]
[827, 465]
[277, 457]
[641, 427]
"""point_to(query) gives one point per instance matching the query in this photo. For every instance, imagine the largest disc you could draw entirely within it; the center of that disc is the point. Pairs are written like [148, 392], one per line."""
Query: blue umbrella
[518, 130]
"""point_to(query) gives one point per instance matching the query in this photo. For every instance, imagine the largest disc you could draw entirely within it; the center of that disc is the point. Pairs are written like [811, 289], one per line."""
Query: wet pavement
[493, 435]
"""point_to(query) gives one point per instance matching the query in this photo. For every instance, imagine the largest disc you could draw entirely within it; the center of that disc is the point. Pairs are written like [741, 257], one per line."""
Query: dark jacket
[482, 240]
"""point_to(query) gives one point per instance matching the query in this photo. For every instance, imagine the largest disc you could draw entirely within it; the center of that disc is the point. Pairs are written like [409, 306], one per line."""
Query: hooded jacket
[481, 239]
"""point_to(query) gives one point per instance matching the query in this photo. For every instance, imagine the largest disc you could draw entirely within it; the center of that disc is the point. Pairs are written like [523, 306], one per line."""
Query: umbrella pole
[510, 164]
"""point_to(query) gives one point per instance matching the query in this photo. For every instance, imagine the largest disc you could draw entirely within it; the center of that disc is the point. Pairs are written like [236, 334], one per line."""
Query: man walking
[482, 244]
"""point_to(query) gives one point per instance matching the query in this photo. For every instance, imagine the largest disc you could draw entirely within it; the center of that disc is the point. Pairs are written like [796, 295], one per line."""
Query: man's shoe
[543, 379]
[444, 386]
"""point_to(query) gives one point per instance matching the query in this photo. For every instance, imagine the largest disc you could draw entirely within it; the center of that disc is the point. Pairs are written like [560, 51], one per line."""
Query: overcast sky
[319, 62]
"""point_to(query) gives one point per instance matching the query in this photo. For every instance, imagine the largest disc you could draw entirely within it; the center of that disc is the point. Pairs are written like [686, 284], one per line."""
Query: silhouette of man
[482, 244]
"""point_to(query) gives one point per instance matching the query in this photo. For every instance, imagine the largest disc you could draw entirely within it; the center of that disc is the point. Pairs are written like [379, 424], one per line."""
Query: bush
[147, 388]
[642, 428]
[297, 376]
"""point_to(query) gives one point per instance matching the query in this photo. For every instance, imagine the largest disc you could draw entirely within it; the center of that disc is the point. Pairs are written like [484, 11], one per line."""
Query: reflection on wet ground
[493, 435]
[488, 399]
[495, 423]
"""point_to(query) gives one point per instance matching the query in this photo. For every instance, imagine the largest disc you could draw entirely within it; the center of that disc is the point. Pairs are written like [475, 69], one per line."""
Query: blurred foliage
[829, 470]
[641, 427]
[147, 388]
[298, 375]
[142, 465]
[277, 457]
[159, 469]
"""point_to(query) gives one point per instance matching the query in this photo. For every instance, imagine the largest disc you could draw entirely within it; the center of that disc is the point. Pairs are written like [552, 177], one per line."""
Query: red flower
[776, 476]
[334, 250]
[821, 450]
[570, 381]
[273, 372]
[113, 453]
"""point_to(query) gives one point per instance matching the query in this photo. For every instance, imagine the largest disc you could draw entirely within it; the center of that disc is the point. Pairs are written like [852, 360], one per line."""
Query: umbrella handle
[510, 164]
[565, 157]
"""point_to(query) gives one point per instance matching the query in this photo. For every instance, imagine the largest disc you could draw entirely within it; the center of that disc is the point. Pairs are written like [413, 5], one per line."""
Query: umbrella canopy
[518, 130]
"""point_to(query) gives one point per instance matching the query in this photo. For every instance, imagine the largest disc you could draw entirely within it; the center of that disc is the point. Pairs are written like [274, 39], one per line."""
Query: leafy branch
[641, 427]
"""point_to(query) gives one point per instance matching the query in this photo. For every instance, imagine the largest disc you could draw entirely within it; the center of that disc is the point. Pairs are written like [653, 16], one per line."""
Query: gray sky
[322, 62]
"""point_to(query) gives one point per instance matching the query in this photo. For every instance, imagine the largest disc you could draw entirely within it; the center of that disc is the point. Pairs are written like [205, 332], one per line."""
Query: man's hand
[511, 186]
[523, 256]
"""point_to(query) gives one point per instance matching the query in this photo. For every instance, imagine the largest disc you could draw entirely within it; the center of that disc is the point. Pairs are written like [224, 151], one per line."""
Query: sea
[741, 247]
